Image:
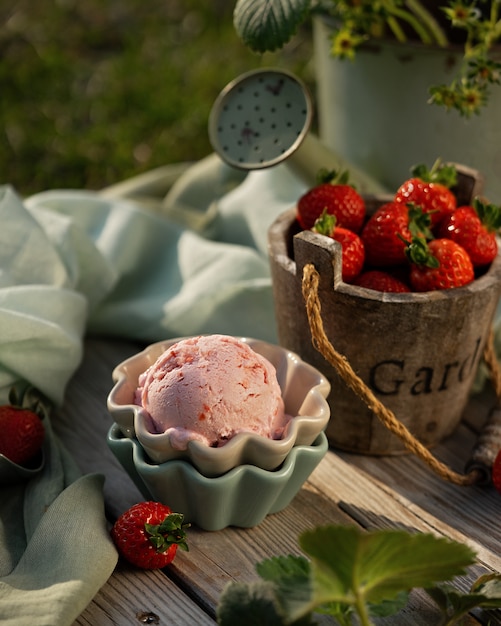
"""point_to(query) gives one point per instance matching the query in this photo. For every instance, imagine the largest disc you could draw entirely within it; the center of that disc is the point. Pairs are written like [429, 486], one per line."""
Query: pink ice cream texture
[210, 388]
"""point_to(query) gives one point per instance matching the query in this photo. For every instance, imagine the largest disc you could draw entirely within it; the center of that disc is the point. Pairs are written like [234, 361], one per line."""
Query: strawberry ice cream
[210, 388]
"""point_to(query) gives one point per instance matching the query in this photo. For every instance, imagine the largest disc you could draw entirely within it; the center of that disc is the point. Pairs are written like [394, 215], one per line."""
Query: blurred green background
[95, 91]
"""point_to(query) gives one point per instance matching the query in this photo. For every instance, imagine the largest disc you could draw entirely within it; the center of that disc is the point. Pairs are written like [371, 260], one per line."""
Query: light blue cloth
[162, 278]
[75, 261]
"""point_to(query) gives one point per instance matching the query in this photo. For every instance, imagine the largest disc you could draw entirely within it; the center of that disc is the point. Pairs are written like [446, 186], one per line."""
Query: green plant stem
[395, 29]
[421, 32]
[427, 18]
[362, 612]
[495, 29]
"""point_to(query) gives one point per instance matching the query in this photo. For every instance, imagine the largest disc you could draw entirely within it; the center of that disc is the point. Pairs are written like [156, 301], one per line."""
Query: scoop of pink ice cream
[210, 388]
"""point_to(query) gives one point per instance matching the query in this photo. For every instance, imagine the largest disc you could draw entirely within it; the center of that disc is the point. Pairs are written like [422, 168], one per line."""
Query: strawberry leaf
[439, 173]
[390, 607]
[171, 531]
[419, 221]
[351, 566]
[485, 593]
[325, 224]
[355, 572]
[249, 604]
[335, 177]
[489, 586]
[293, 584]
[326, 176]
[265, 26]
[290, 568]
[419, 253]
[489, 214]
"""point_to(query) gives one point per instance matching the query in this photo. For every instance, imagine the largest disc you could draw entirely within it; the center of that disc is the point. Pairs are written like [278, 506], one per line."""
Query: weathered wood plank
[134, 596]
[466, 512]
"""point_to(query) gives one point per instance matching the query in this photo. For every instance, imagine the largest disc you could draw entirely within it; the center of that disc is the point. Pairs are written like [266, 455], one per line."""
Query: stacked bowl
[236, 484]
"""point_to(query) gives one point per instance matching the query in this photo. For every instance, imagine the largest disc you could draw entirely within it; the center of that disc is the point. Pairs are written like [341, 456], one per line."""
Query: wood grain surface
[372, 492]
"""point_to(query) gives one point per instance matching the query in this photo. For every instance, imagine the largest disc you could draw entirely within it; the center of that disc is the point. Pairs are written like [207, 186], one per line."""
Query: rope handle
[478, 470]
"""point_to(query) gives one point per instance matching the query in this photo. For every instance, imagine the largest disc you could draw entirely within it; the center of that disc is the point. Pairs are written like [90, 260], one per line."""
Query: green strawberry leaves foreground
[352, 572]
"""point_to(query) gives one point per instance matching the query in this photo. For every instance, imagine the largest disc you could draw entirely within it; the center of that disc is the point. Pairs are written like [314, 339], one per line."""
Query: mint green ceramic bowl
[242, 497]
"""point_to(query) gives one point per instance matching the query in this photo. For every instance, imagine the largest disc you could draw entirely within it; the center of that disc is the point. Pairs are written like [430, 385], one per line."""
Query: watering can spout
[263, 118]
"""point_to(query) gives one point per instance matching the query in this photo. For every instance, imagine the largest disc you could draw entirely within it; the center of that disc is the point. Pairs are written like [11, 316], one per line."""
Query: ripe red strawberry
[379, 280]
[338, 199]
[383, 233]
[353, 254]
[429, 189]
[149, 534]
[496, 472]
[388, 231]
[474, 228]
[439, 264]
[21, 433]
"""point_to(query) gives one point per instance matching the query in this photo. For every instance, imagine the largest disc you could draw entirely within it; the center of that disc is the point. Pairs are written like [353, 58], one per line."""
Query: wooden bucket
[418, 352]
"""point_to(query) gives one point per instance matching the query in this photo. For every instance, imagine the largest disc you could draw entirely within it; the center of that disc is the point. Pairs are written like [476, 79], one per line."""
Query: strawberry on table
[338, 198]
[149, 534]
[21, 433]
[474, 228]
[430, 190]
[353, 254]
[379, 280]
[438, 264]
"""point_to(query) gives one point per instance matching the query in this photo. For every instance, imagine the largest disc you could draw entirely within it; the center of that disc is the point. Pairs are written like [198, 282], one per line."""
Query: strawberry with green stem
[474, 228]
[334, 195]
[438, 264]
[353, 254]
[387, 231]
[430, 189]
[149, 534]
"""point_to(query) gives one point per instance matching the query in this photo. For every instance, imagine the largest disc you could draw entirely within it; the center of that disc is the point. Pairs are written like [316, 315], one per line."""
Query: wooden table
[397, 492]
